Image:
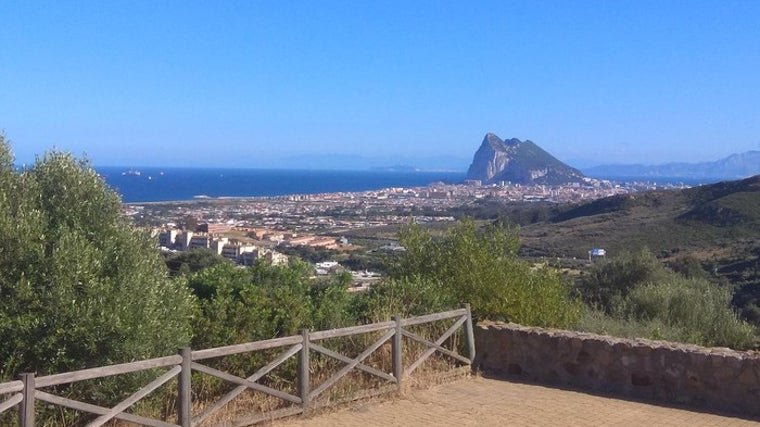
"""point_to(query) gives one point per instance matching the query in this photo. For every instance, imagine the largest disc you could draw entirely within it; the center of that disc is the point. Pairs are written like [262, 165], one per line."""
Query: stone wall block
[717, 360]
[640, 379]
[628, 360]
[583, 357]
[696, 358]
[748, 374]
[602, 354]
[622, 347]
[548, 354]
[755, 363]
[734, 361]
[617, 376]
[718, 378]
[576, 343]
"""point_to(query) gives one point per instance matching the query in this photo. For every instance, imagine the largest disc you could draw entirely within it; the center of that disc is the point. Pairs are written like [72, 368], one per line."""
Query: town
[260, 229]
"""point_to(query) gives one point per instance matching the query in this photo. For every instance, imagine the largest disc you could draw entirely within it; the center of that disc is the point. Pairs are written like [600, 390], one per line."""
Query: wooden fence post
[26, 409]
[470, 334]
[398, 352]
[184, 395]
[303, 372]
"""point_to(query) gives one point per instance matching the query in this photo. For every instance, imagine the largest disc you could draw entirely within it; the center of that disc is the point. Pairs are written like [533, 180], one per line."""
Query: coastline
[165, 185]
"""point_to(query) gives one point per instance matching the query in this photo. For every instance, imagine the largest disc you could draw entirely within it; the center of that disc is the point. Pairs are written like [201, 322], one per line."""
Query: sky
[341, 83]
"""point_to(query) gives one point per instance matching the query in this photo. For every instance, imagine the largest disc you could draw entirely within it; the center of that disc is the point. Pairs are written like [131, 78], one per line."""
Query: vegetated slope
[727, 204]
[717, 225]
[717, 222]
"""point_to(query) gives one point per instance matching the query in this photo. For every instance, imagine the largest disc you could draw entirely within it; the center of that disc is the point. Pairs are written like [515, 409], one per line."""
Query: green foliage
[700, 309]
[747, 300]
[194, 260]
[373, 261]
[467, 264]
[688, 266]
[79, 286]
[609, 281]
[309, 253]
[406, 297]
[332, 304]
[637, 296]
[248, 304]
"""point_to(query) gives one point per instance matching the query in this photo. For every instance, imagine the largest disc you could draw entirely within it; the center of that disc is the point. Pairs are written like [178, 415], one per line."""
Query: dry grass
[254, 407]
[356, 385]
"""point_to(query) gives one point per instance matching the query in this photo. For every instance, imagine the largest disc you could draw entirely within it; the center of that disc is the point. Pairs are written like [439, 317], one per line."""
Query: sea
[156, 184]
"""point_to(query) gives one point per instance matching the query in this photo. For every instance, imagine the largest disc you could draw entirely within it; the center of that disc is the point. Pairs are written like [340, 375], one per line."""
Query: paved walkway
[485, 402]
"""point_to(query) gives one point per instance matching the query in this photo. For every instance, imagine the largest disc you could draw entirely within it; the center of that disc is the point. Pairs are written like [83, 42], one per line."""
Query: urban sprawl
[251, 230]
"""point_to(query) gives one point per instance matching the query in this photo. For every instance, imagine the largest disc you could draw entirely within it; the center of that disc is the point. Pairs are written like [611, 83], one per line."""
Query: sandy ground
[486, 402]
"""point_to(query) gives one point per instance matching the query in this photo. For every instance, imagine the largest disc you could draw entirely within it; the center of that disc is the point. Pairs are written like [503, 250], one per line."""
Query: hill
[714, 227]
[703, 218]
[517, 161]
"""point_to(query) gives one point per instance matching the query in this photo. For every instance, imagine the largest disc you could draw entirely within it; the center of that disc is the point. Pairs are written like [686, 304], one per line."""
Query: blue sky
[269, 84]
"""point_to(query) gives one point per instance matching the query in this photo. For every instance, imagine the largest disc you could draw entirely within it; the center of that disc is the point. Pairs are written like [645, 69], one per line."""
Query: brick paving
[487, 402]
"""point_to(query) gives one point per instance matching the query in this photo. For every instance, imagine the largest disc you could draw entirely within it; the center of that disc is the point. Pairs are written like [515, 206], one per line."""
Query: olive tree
[79, 286]
[478, 265]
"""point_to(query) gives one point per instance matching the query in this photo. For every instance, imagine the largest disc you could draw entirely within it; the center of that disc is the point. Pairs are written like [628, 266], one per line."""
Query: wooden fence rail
[23, 393]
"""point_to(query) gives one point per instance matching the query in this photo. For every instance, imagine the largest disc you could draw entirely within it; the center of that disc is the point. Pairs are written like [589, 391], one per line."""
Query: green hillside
[718, 226]
[705, 221]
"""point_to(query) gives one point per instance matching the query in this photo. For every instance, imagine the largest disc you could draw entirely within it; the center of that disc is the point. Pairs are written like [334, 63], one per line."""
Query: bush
[478, 266]
[405, 297]
[698, 308]
[80, 287]
[682, 310]
[192, 261]
[240, 305]
[248, 304]
[611, 280]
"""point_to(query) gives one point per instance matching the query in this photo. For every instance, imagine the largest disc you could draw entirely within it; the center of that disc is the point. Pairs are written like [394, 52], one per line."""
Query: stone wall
[715, 378]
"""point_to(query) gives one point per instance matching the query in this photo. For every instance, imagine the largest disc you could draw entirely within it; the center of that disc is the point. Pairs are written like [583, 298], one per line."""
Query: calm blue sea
[167, 184]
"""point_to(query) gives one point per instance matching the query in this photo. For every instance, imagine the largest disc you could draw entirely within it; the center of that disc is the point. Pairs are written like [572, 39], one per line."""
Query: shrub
[248, 304]
[479, 266]
[700, 309]
[240, 305]
[405, 297]
[611, 280]
[683, 310]
[80, 287]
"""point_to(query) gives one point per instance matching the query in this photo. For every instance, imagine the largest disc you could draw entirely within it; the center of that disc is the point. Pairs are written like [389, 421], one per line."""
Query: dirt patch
[486, 402]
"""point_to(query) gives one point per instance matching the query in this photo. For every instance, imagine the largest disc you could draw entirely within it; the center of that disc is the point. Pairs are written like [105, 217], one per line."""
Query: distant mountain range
[523, 162]
[735, 166]
[517, 161]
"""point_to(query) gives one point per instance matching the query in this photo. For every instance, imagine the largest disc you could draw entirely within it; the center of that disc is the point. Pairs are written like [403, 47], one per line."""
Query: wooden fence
[28, 389]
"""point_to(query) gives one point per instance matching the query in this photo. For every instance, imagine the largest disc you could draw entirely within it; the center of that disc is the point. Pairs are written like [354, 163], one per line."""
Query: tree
[79, 286]
[192, 261]
[611, 280]
[261, 302]
[479, 266]
[248, 304]
[699, 311]
[638, 296]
